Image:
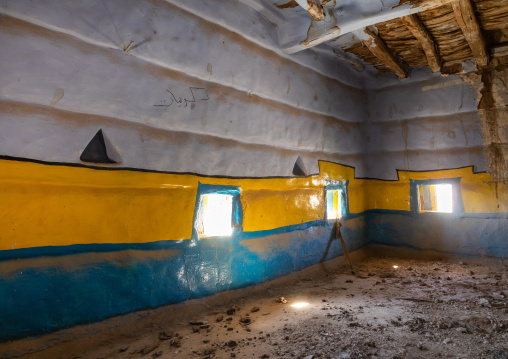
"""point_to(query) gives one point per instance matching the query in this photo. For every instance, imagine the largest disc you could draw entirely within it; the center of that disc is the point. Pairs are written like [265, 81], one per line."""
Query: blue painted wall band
[66, 292]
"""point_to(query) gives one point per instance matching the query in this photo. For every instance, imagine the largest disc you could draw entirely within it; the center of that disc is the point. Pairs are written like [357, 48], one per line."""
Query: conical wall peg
[96, 151]
[299, 168]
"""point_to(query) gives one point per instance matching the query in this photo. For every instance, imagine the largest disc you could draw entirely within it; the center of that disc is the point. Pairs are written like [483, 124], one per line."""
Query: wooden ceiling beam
[377, 46]
[360, 20]
[422, 34]
[466, 18]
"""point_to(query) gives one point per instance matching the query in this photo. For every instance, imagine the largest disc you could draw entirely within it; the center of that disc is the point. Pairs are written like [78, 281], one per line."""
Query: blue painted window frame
[457, 204]
[237, 212]
[342, 186]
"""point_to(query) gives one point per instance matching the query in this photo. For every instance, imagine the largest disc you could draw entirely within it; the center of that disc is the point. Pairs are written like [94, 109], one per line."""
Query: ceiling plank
[499, 50]
[424, 5]
[466, 18]
[377, 46]
[422, 34]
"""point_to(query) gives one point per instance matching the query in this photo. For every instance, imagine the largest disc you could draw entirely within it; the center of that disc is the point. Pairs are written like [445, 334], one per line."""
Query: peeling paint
[289, 4]
[315, 10]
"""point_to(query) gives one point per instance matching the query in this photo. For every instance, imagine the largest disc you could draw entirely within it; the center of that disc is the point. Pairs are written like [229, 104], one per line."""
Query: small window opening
[216, 213]
[435, 198]
[333, 204]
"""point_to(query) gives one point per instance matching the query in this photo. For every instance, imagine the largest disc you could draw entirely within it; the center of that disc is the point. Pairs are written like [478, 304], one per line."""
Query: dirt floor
[424, 308]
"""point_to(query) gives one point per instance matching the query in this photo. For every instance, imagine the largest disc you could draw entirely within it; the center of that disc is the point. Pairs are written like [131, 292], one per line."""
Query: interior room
[254, 179]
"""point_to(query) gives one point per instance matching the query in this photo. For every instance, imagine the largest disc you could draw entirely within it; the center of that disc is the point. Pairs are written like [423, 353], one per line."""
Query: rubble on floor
[390, 308]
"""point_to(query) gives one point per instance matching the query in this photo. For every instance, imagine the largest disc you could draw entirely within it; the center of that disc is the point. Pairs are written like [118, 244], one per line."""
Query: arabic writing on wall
[196, 94]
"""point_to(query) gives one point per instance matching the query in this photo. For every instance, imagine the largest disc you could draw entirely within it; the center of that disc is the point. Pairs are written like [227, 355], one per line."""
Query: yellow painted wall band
[58, 205]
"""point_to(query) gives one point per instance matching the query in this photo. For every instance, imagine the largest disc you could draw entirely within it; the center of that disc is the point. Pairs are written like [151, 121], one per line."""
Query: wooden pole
[338, 234]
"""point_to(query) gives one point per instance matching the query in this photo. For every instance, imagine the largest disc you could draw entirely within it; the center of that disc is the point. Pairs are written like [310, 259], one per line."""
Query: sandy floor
[424, 308]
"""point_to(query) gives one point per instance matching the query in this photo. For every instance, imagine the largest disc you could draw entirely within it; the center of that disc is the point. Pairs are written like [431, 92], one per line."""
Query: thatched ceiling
[450, 37]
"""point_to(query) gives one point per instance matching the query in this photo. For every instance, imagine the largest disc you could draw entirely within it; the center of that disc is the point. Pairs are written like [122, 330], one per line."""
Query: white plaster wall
[424, 123]
[59, 136]
[190, 35]
[255, 111]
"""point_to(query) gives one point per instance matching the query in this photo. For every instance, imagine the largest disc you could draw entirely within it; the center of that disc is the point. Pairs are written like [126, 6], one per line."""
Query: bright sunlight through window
[436, 198]
[333, 204]
[216, 215]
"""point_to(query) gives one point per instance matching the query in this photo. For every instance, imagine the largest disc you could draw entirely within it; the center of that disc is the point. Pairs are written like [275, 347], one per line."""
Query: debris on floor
[391, 308]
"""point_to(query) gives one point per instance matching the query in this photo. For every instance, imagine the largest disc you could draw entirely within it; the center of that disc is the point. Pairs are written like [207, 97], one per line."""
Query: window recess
[435, 198]
[217, 212]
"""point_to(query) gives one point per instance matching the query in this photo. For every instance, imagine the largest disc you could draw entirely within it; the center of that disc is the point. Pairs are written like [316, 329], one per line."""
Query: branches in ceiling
[331, 20]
